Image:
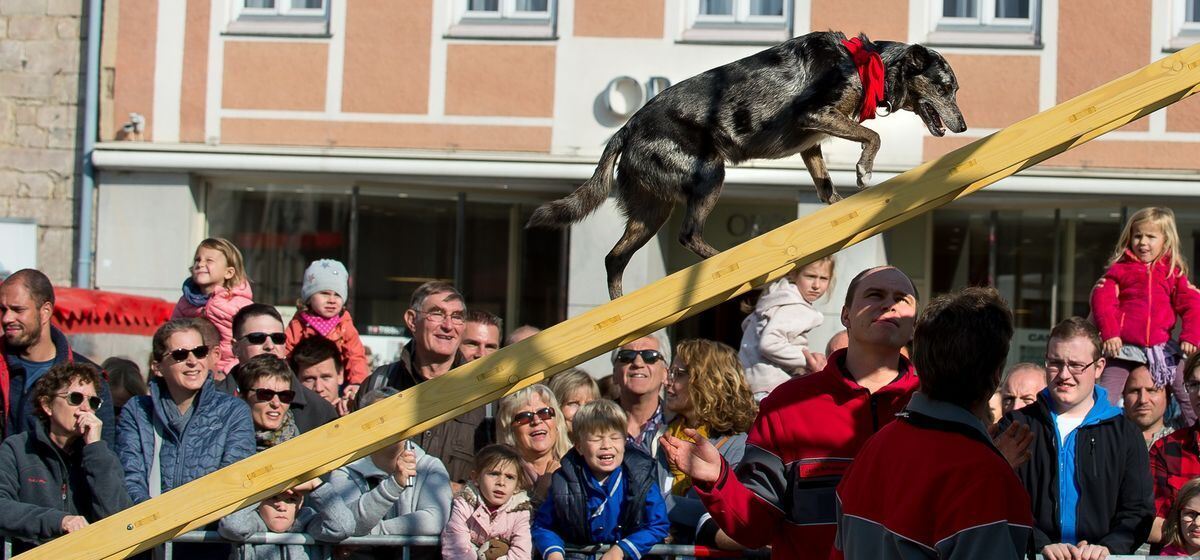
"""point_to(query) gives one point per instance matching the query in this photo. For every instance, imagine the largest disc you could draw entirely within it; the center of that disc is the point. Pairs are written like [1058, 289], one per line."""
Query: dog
[773, 104]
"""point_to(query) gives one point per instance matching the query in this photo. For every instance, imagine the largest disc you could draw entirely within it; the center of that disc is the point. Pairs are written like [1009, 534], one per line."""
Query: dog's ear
[916, 59]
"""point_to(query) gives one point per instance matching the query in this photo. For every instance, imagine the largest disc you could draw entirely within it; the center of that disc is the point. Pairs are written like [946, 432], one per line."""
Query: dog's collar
[870, 72]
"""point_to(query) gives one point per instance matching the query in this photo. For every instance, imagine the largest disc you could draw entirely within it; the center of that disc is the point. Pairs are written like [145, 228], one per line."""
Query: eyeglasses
[260, 338]
[1056, 366]
[181, 354]
[648, 356]
[265, 395]
[522, 418]
[437, 317]
[75, 398]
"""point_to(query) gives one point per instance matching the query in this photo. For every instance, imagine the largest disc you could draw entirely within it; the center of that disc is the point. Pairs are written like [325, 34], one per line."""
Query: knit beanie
[325, 274]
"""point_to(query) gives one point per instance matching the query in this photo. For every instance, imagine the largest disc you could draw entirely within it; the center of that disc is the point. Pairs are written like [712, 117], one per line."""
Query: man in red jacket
[932, 484]
[809, 429]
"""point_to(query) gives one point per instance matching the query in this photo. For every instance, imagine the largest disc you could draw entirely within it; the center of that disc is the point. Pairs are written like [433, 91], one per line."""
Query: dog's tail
[589, 196]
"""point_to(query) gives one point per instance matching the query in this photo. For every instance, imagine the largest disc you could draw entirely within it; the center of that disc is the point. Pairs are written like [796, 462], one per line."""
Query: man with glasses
[436, 320]
[1175, 459]
[1088, 476]
[258, 329]
[640, 374]
[31, 347]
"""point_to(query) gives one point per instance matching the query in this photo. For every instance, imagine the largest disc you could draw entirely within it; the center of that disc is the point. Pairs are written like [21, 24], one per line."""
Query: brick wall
[41, 52]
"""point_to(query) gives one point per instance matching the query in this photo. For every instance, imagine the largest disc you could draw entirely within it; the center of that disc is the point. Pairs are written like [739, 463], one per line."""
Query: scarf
[321, 324]
[682, 482]
[1162, 365]
[870, 72]
[264, 439]
[193, 294]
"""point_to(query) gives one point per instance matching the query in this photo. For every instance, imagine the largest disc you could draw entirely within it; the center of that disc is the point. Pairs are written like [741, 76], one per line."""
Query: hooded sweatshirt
[773, 337]
[472, 525]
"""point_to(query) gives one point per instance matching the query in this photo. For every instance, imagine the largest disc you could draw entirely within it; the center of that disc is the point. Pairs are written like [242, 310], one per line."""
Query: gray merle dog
[778, 102]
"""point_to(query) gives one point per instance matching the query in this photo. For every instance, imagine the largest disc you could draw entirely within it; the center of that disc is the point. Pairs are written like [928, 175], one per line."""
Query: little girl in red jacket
[1136, 302]
[322, 312]
[217, 289]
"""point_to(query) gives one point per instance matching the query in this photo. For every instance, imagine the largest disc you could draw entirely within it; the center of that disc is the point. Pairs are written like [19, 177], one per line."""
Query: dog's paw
[864, 176]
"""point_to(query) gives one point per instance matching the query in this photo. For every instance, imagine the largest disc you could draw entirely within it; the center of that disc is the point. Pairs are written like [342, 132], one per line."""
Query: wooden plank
[679, 295]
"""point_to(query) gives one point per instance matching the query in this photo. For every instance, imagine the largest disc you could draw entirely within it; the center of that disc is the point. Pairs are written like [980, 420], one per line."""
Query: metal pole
[460, 239]
[91, 94]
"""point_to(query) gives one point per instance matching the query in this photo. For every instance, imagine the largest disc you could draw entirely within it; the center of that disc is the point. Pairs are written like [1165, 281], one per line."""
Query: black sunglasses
[257, 338]
[522, 418]
[181, 354]
[75, 398]
[265, 395]
[648, 356]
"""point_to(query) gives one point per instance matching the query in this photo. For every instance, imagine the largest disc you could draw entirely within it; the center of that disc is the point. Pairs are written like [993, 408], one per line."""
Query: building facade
[412, 138]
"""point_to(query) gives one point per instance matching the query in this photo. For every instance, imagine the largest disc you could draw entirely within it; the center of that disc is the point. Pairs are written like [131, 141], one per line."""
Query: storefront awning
[78, 310]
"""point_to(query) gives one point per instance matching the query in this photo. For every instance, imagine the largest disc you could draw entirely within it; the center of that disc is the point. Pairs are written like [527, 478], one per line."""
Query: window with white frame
[280, 17]
[1012, 23]
[530, 19]
[1185, 24]
[749, 21]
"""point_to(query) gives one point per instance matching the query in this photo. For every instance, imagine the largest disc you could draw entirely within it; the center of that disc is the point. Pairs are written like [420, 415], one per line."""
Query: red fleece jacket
[1138, 302]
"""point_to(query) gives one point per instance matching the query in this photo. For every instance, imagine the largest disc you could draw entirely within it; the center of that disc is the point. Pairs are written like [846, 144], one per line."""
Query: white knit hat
[325, 274]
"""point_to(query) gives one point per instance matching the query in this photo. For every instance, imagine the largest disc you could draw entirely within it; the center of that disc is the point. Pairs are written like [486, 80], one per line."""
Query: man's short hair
[251, 311]
[483, 317]
[38, 284]
[960, 343]
[598, 417]
[1078, 327]
[377, 395]
[1021, 366]
[433, 288]
[262, 366]
[853, 287]
[312, 351]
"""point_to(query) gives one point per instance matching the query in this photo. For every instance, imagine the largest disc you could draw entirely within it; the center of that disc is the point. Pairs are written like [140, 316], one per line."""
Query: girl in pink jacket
[217, 289]
[489, 519]
[1136, 303]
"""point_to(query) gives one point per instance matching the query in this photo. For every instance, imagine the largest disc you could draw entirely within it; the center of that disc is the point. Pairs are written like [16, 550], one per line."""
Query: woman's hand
[701, 461]
[72, 523]
[88, 425]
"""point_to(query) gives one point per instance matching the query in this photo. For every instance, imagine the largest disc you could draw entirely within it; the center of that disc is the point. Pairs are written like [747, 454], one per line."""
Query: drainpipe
[91, 92]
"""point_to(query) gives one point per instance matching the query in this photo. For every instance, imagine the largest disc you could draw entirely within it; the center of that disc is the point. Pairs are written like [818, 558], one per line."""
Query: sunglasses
[181, 354]
[75, 398]
[265, 395]
[259, 338]
[522, 418]
[648, 356]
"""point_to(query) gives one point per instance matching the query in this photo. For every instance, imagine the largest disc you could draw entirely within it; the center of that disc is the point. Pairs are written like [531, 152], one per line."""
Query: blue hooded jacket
[1068, 486]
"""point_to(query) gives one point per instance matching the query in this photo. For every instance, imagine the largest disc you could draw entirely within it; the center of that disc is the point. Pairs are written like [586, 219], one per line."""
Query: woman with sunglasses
[529, 420]
[265, 381]
[707, 392]
[59, 476]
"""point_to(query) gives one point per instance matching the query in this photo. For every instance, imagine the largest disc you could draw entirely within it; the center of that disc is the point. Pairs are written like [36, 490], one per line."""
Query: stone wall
[41, 64]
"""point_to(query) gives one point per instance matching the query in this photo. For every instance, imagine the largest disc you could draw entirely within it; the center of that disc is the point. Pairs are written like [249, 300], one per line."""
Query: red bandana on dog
[870, 71]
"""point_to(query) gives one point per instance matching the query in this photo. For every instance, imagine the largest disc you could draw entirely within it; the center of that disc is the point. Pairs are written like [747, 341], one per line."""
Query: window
[1185, 24]
[279, 17]
[738, 21]
[1011, 23]
[530, 19]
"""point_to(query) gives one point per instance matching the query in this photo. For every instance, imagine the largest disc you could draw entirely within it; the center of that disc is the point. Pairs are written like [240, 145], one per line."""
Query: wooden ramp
[662, 303]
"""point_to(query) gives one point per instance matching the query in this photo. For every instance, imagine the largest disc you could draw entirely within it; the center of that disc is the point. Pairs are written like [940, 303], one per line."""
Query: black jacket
[568, 489]
[1112, 475]
[39, 484]
[454, 441]
[19, 412]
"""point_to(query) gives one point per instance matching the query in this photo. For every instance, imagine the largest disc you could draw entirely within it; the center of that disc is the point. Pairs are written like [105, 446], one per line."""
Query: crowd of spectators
[907, 437]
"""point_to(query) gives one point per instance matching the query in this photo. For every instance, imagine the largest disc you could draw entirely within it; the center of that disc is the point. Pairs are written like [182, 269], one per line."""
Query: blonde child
[490, 516]
[1136, 302]
[323, 313]
[216, 290]
[1182, 526]
[774, 335]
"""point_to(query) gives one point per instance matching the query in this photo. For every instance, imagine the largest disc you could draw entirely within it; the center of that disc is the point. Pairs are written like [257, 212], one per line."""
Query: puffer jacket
[471, 526]
[218, 433]
[40, 485]
[773, 337]
[220, 309]
[1138, 301]
[344, 335]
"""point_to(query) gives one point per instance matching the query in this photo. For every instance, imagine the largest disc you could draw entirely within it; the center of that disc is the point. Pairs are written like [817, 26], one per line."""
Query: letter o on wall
[623, 96]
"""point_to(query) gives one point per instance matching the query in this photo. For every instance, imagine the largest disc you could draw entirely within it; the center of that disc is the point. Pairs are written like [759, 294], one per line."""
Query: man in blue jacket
[1088, 477]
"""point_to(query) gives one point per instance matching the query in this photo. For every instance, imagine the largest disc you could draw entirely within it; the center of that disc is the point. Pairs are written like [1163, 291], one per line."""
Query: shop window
[1185, 24]
[738, 21]
[999, 23]
[517, 19]
[279, 17]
